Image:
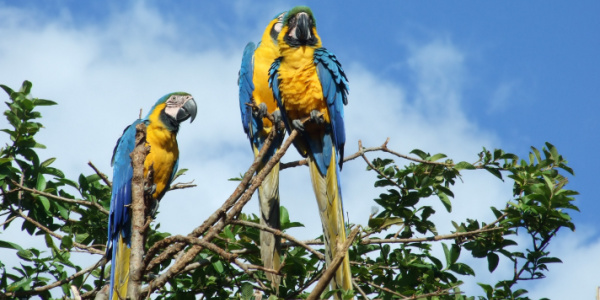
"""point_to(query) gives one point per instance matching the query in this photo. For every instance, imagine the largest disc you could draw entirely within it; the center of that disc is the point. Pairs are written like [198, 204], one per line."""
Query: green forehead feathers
[299, 9]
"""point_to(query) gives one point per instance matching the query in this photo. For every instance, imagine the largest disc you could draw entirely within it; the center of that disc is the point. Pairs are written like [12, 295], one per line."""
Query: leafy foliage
[393, 257]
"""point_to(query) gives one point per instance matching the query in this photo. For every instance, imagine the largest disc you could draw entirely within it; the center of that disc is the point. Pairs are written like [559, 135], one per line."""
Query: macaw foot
[298, 125]
[153, 209]
[276, 116]
[316, 117]
[150, 190]
[277, 121]
[261, 111]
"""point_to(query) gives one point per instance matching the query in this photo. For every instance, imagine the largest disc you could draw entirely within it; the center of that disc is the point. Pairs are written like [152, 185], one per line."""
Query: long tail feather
[332, 218]
[270, 245]
[119, 273]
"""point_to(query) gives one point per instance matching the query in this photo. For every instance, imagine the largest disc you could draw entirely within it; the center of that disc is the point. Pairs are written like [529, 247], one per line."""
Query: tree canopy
[391, 257]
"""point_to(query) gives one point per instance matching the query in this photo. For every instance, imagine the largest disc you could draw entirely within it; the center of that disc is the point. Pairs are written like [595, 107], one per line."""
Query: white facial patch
[174, 103]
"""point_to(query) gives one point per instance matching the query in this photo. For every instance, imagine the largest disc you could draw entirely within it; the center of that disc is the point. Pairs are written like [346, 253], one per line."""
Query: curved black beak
[189, 109]
[303, 27]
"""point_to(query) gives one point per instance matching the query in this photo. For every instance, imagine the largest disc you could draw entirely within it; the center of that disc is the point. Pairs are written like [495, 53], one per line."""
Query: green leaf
[493, 260]
[445, 200]
[218, 265]
[8, 90]
[447, 254]
[41, 183]
[23, 284]
[247, 291]
[284, 217]
[43, 102]
[66, 242]
[9, 245]
[25, 254]
[180, 172]
[437, 157]
[45, 202]
[383, 223]
[26, 87]
[464, 165]
[419, 153]
[494, 172]
[548, 260]
[47, 162]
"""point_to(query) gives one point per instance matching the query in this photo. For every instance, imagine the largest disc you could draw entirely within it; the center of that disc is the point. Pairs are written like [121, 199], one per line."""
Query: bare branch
[138, 211]
[40, 289]
[151, 262]
[104, 178]
[431, 238]
[56, 235]
[182, 185]
[333, 266]
[213, 231]
[20, 187]
[277, 232]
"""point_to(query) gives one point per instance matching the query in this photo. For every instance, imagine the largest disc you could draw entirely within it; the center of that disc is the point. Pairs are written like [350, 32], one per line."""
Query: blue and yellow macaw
[308, 82]
[162, 125]
[254, 89]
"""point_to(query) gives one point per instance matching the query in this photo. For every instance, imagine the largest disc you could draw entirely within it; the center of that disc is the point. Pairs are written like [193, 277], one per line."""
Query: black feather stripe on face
[301, 30]
[170, 122]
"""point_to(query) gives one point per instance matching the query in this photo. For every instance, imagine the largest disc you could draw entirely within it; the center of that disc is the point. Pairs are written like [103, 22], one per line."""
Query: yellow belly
[163, 155]
[301, 90]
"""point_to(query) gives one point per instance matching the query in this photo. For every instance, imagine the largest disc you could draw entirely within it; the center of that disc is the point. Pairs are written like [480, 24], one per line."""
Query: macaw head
[300, 28]
[175, 108]
[275, 26]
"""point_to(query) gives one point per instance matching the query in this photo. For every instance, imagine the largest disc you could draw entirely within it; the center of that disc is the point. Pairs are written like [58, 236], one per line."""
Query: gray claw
[150, 190]
[316, 117]
[261, 111]
[298, 125]
[277, 116]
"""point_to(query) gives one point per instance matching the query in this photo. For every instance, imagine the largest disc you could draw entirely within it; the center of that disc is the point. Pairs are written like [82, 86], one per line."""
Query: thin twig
[104, 178]
[280, 233]
[355, 285]
[58, 282]
[374, 168]
[431, 238]
[56, 235]
[20, 187]
[182, 185]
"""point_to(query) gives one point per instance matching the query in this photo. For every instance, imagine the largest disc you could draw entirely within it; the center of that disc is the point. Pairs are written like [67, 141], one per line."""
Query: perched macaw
[162, 125]
[254, 89]
[308, 81]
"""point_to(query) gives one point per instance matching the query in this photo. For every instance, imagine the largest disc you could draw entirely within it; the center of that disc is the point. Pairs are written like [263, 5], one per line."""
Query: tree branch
[104, 178]
[56, 235]
[20, 187]
[138, 210]
[277, 232]
[333, 266]
[152, 261]
[40, 289]
[213, 231]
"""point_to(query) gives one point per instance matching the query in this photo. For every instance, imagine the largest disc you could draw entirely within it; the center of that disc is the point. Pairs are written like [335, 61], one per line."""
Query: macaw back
[163, 157]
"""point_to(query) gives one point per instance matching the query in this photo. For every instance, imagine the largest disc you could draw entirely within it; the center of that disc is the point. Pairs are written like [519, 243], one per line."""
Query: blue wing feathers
[246, 87]
[335, 89]
[119, 217]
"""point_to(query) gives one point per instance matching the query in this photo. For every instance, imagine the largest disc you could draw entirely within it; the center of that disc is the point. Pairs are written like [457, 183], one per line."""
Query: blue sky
[440, 76]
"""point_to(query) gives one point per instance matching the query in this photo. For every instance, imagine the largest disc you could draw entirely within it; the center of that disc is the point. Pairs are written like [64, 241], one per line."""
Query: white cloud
[101, 75]
[577, 277]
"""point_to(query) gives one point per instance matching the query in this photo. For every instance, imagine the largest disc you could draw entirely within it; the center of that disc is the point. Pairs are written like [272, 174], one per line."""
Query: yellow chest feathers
[164, 152]
[299, 85]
